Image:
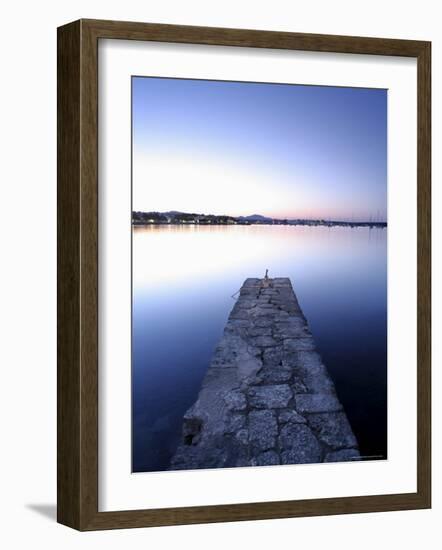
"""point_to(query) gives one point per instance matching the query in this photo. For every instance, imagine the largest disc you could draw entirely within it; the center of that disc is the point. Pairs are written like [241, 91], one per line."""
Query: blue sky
[274, 149]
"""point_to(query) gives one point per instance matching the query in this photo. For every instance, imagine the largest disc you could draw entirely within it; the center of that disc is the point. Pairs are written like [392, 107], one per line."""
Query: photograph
[259, 274]
[243, 274]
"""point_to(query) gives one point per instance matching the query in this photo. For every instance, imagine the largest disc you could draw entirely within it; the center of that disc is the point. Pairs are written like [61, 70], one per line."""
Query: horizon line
[288, 218]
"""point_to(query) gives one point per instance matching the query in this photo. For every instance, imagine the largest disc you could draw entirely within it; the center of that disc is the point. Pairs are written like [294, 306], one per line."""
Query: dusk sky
[279, 150]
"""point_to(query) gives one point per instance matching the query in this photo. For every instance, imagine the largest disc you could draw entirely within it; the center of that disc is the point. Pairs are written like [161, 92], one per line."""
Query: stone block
[317, 403]
[299, 444]
[263, 429]
[270, 397]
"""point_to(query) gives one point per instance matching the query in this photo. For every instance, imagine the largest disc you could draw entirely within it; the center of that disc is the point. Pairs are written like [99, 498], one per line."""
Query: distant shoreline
[307, 224]
[183, 218]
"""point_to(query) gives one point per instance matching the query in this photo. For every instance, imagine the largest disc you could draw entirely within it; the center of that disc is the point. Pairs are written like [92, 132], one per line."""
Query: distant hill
[255, 218]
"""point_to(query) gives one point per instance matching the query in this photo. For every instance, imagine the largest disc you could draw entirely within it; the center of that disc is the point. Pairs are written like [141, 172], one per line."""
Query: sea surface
[184, 284]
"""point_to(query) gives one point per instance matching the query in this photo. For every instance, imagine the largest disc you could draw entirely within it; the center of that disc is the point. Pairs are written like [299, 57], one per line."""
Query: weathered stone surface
[240, 314]
[317, 403]
[263, 429]
[264, 322]
[192, 430]
[333, 429]
[290, 415]
[272, 357]
[189, 458]
[242, 436]
[318, 383]
[235, 400]
[225, 377]
[299, 344]
[299, 444]
[292, 328]
[268, 458]
[266, 398]
[270, 397]
[259, 331]
[275, 375]
[298, 385]
[235, 422]
[264, 342]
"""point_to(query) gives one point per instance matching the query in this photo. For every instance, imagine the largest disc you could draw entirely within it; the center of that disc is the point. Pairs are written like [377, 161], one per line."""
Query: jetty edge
[266, 397]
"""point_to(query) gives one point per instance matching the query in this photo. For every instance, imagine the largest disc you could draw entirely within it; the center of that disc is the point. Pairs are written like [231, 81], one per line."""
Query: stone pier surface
[266, 398]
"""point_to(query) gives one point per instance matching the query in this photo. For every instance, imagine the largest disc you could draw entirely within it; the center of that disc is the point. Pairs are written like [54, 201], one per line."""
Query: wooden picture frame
[78, 274]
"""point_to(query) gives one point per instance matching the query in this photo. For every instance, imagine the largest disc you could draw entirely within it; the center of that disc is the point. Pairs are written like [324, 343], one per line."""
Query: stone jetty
[266, 398]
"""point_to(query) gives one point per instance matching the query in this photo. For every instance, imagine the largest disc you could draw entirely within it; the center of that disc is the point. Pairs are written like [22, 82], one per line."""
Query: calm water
[183, 280]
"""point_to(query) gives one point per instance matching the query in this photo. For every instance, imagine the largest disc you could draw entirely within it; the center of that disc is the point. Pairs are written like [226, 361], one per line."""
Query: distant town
[184, 218]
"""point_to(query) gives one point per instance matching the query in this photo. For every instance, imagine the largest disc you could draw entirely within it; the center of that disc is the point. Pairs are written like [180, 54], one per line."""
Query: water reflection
[183, 280]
